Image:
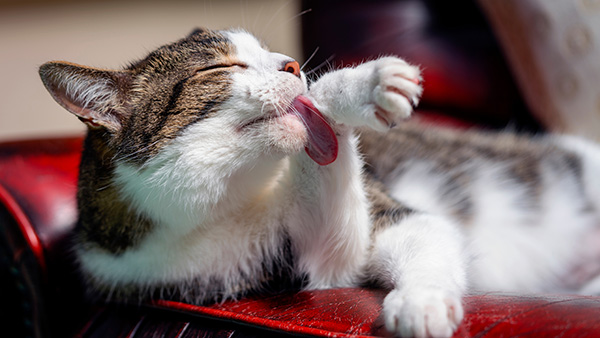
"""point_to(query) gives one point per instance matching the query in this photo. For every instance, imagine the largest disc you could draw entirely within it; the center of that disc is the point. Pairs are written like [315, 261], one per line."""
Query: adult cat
[211, 170]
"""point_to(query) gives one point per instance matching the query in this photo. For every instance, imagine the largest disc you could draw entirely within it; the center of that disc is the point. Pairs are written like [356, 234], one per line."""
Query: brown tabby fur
[165, 86]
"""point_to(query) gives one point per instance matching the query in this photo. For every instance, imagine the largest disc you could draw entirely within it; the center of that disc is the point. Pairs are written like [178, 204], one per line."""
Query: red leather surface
[40, 178]
[324, 313]
[346, 313]
[531, 316]
[356, 313]
[38, 186]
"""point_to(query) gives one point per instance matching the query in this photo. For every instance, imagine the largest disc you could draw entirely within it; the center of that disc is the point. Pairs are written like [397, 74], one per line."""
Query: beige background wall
[110, 34]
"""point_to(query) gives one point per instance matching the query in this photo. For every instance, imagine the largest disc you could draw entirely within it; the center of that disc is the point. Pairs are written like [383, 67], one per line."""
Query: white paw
[396, 91]
[426, 312]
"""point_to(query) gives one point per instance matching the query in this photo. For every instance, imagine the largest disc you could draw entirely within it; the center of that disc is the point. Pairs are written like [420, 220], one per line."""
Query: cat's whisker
[258, 16]
[297, 113]
[244, 8]
[263, 108]
[309, 58]
[267, 27]
[297, 15]
[104, 187]
[116, 157]
[327, 62]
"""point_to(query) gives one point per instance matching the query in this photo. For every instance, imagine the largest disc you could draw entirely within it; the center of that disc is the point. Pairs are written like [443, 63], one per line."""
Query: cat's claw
[385, 117]
[422, 313]
[396, 92]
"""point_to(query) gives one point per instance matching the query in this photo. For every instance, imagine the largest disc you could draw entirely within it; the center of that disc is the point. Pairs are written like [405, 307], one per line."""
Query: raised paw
[396, 92]
[377, 94]
[426, 312]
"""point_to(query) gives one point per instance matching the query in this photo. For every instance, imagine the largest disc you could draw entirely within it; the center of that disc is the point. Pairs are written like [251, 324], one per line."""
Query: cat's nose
[292, 67]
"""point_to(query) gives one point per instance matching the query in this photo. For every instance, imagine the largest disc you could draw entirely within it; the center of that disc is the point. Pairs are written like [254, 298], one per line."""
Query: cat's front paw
[377, 94]
[396, 91]
[426, 312]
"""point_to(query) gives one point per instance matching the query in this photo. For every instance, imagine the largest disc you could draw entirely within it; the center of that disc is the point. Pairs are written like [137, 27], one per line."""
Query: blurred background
[529, 65]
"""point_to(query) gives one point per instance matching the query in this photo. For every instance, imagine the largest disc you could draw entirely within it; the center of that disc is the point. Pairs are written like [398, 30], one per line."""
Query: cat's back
[448, 149]
[464, 174]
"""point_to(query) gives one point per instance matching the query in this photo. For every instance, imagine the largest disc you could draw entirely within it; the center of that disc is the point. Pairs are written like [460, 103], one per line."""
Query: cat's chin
[287, 133]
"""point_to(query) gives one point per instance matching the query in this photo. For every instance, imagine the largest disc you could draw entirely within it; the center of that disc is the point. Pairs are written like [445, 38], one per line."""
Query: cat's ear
[196, 31]
[95, 96]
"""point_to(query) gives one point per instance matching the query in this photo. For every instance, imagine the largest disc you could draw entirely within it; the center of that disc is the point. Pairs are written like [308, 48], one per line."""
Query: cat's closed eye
[221, 66]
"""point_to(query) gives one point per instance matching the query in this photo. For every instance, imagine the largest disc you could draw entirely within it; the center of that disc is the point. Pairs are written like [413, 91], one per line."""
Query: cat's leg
[420, 257]
[331, 228]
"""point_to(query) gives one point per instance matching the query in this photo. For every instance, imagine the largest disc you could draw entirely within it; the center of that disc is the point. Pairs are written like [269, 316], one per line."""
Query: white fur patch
[516, 247]
[542, 242]
[331, 227]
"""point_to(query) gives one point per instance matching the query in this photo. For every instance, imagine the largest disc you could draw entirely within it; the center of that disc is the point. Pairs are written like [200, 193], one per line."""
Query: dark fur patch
[105, 220]
[166, 94]
[385, 211]
[169, 93]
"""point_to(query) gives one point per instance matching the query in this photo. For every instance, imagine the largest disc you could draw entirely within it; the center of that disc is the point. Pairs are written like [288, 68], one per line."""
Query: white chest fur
[253, 209]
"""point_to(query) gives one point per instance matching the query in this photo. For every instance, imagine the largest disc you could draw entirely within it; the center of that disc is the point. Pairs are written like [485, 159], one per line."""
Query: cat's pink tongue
[322, 144]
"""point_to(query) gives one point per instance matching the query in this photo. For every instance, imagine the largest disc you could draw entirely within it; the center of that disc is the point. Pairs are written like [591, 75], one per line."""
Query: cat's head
[221, 90]
[195, 123]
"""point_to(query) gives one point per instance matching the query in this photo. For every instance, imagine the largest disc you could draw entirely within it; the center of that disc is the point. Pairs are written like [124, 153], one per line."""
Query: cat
[212, 170]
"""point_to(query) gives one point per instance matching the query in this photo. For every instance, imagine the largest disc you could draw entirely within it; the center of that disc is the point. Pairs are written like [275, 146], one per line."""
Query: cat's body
[195, 185]
[528, 206]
